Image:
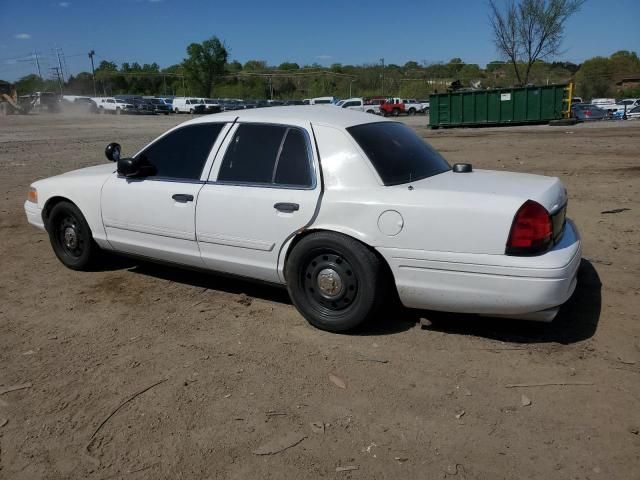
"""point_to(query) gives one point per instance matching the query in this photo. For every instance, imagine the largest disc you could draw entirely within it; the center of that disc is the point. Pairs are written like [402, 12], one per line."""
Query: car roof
[318, 114]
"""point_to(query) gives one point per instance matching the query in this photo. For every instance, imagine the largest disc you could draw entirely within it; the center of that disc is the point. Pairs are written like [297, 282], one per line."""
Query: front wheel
[395, 112]
[335, 282]
[412, 111]
[71, 237]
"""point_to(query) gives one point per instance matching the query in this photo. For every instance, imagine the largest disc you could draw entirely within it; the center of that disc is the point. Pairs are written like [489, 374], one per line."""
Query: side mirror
[112, 152]
[128, 167]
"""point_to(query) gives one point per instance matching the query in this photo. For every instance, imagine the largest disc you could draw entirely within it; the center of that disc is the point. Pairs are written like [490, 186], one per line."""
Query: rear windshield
[397, 153]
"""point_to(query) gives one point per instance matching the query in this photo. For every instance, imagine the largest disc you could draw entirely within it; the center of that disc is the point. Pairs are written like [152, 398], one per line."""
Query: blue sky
[326, 32]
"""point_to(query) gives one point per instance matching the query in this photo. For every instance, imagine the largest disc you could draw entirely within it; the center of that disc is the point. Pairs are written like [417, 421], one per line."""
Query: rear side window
[397, 153]
[182, 153]
[293, 167]
[267, 155]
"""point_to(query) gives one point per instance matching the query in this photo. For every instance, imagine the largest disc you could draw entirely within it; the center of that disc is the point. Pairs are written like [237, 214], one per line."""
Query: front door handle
[182, 197]
[287, 207]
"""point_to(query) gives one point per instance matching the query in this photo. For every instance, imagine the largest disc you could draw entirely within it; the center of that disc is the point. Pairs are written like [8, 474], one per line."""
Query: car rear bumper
[501, 285]
[34, 214]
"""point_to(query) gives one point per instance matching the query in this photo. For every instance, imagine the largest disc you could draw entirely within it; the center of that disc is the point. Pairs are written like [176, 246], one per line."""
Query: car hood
[103, 170]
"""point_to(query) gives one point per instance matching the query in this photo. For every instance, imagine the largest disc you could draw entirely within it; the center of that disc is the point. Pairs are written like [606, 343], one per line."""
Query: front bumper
[34, 214]
[501, 285]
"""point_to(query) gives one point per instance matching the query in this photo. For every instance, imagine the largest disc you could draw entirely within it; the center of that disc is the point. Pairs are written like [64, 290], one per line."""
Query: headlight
[32, 196]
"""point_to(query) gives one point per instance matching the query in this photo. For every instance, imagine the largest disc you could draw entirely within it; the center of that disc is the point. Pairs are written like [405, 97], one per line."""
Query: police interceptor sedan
[346, 209]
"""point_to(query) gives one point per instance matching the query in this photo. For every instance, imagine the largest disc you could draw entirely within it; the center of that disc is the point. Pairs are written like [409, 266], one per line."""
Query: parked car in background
[585, 112]
[383, 214]
[358, 104]
[143, 107]
[425, 103]
[211, 106]
[634, 113]
[395, 106]
[608, 104]
[114, 105]
[576, 100]
[294, 102]
[321, 100]
[159, 105]
[188, 105]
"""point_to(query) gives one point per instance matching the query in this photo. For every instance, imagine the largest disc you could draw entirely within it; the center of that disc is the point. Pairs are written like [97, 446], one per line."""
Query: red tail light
[587, 113]
[531, 230]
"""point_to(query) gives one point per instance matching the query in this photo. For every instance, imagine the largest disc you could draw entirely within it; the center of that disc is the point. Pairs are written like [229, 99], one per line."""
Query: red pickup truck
[395, 106]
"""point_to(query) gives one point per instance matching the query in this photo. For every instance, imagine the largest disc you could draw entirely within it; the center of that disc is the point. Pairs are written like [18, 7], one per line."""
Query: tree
[530, 30]
[205, 60]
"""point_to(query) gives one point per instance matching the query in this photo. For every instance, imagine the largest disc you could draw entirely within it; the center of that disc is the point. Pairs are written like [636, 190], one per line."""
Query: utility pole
[382, 76]
[60, 64]
[57, 72]
[93, 73]
[35, 54]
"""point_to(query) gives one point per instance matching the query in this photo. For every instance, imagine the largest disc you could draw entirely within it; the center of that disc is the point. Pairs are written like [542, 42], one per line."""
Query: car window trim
[305, 133]
[167, 133]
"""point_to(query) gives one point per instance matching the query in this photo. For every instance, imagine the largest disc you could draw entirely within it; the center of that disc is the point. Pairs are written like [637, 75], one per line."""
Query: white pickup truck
[113, 105]
[358, 103]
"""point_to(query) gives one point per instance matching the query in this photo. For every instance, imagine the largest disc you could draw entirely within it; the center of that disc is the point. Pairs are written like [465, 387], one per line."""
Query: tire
[395, 112]
[71, 237]
[191, 111]
[412, 111]
[177, 111]
[326, 261]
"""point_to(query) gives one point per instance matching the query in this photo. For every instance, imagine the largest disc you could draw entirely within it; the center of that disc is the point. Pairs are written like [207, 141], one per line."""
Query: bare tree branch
[530, 30]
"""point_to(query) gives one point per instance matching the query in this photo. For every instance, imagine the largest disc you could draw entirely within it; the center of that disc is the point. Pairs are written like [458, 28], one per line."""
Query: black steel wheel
[336, 282]
[71, 237]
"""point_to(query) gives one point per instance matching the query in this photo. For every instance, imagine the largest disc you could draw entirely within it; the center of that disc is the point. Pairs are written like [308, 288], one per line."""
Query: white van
[188, 105]
[322, 100]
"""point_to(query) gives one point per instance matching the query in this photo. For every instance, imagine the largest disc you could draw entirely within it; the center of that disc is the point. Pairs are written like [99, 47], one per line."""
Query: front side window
[267, 155]
[182, 153]
[397, 153]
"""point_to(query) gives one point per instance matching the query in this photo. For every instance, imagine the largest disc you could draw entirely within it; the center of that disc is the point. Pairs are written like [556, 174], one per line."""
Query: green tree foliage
[204, 62]
[597, 76]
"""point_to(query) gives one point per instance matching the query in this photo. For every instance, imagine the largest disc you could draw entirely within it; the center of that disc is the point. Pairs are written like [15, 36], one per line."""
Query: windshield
[397, 153]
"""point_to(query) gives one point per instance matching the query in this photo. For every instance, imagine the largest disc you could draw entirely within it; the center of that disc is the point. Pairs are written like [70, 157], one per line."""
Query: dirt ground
[425, 395]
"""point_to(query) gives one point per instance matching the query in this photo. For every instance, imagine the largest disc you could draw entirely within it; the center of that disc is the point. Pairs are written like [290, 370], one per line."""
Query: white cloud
[23, 36]
[64, 4]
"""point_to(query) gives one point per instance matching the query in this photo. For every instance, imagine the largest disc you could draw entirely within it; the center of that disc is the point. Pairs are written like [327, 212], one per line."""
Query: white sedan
[344, 208]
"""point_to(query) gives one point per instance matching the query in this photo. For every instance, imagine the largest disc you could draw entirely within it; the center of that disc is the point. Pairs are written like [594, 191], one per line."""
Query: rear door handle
[182, 197]
[287, 207]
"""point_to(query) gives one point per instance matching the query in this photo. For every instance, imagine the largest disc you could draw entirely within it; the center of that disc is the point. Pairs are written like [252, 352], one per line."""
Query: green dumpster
[502, 106]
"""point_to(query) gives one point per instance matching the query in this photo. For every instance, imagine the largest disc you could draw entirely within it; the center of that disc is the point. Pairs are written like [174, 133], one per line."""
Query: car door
[263, 189]
[153, 215]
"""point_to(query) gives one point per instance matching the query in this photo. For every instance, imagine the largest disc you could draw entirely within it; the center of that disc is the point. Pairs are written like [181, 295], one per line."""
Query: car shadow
[212, 281]
[577, 320]
[382, 325]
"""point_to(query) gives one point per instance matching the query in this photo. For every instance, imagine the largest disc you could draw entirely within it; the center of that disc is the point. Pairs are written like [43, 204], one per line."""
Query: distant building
[629, 81]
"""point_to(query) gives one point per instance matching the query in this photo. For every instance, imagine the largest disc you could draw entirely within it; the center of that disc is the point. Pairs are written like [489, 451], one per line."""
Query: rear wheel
[395, 112]
[176, 110]
[412, 111]
[191, 111]
[335, 281]
[71, 237]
